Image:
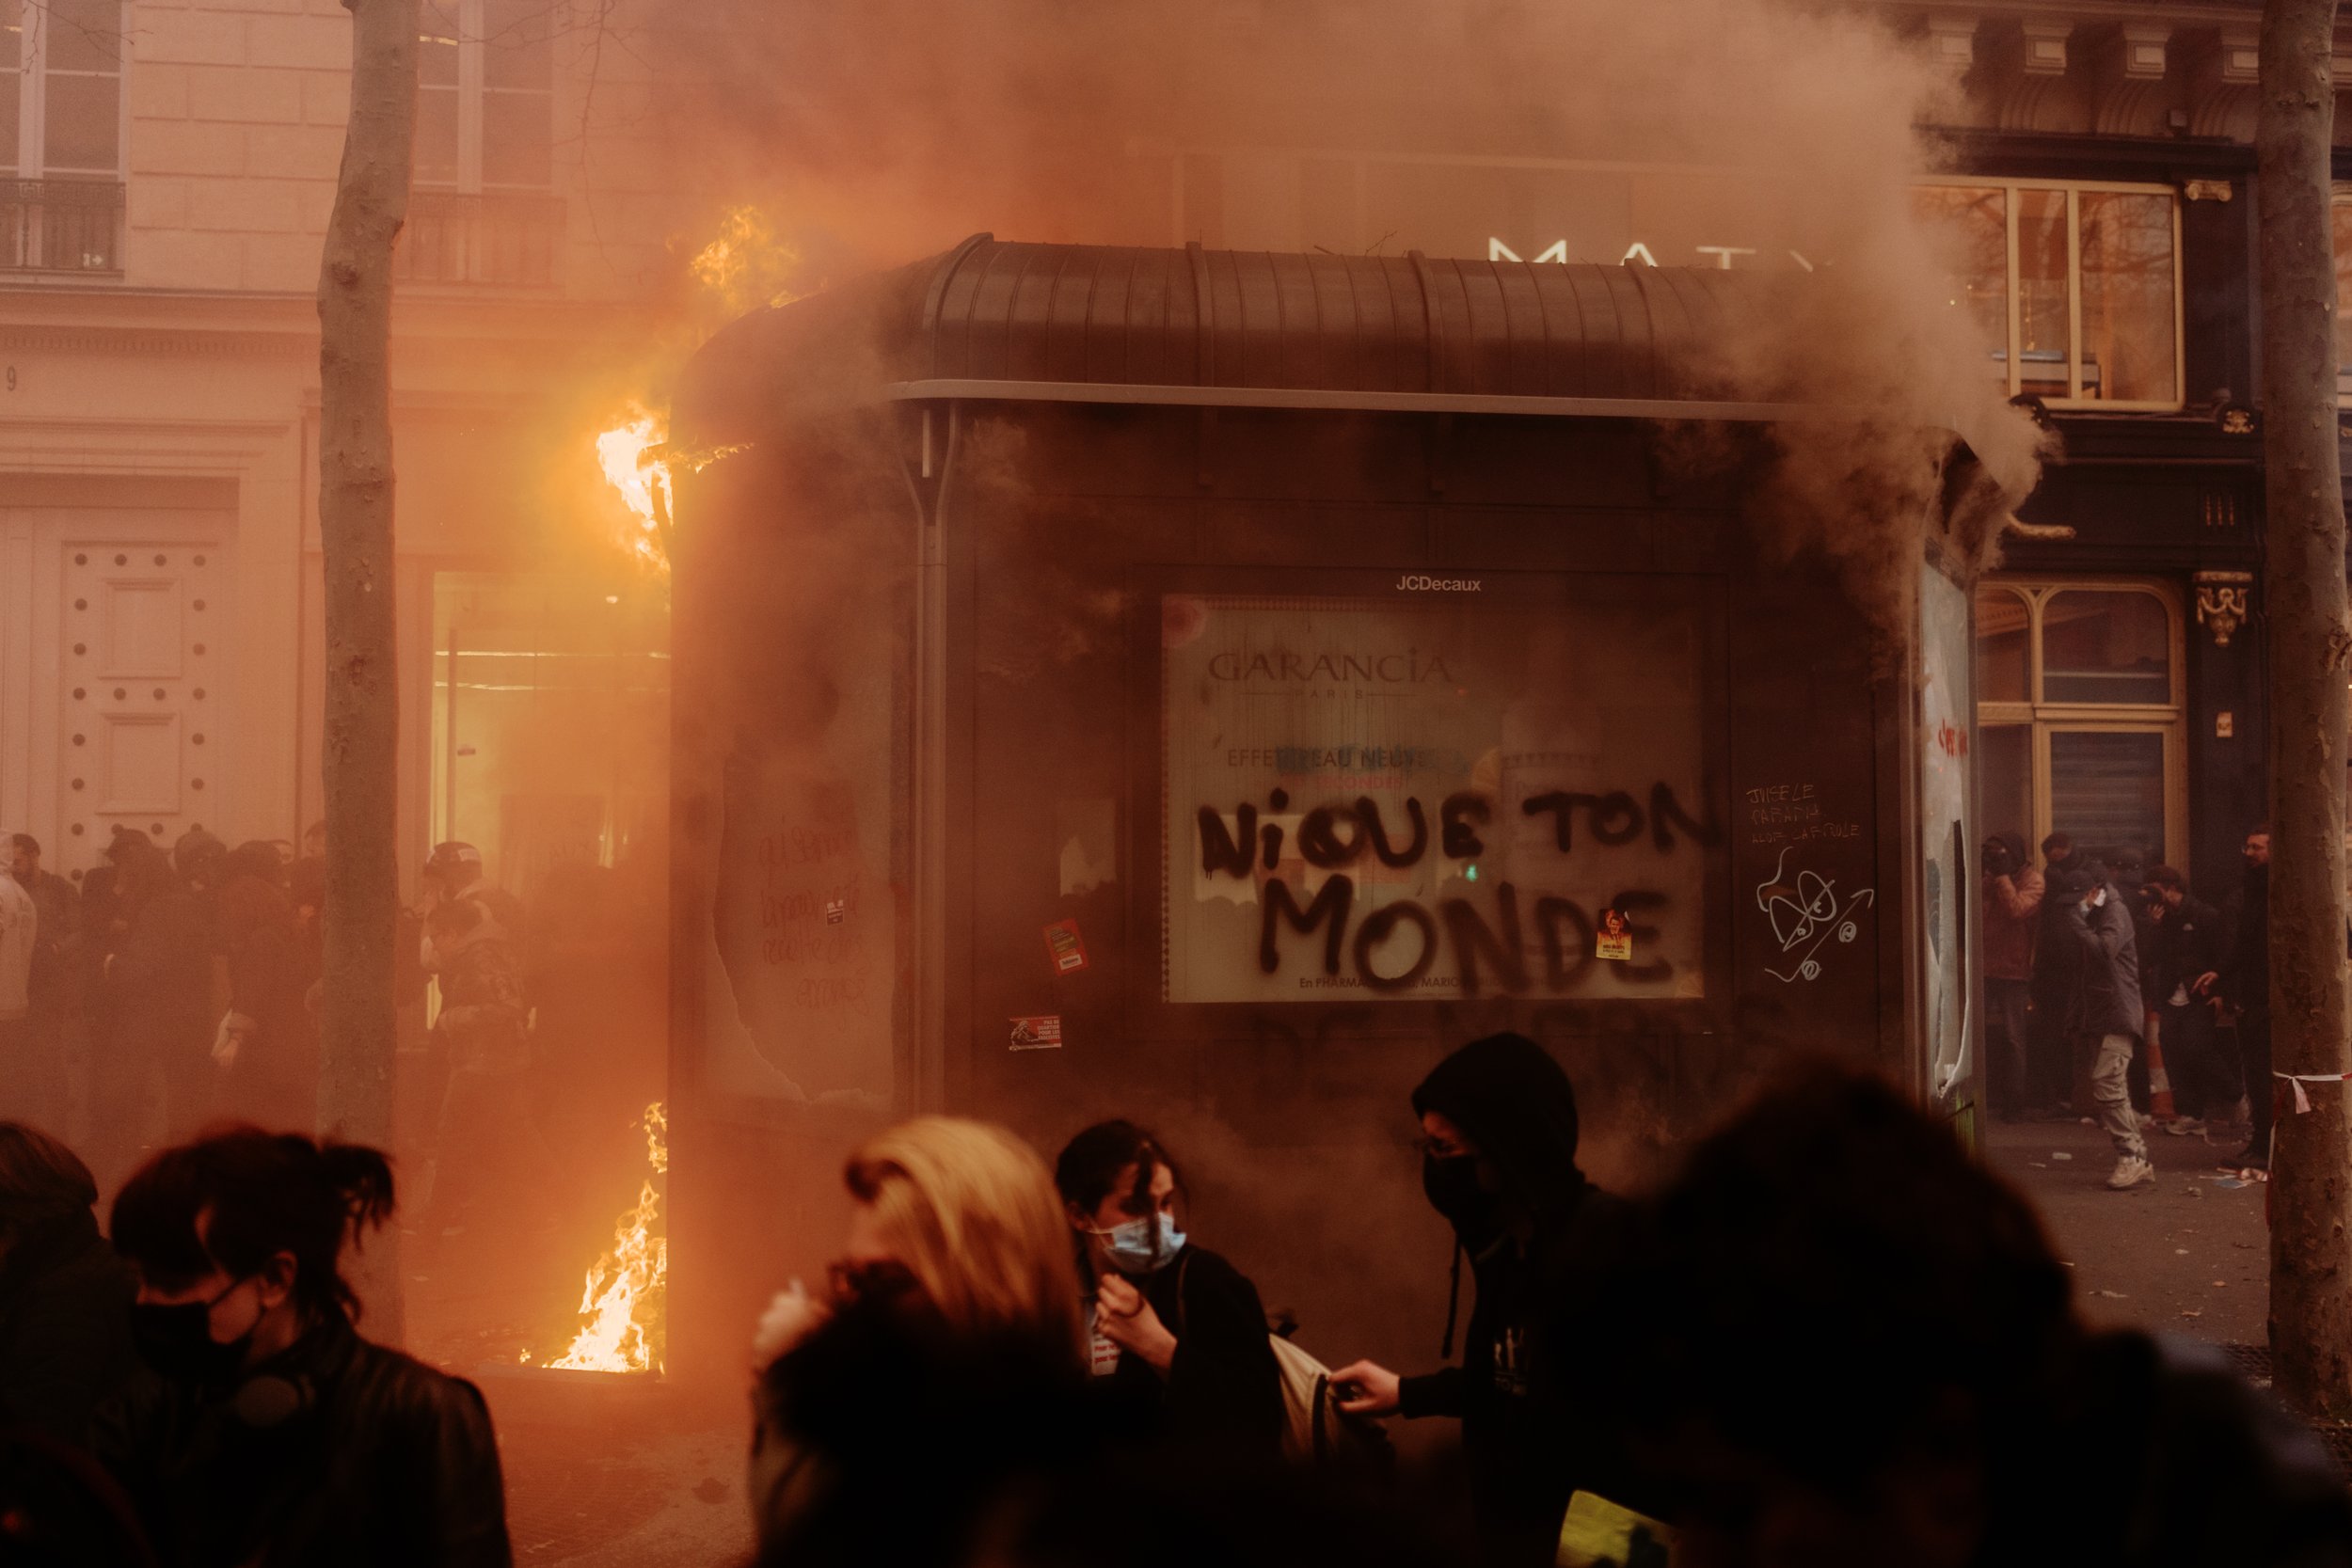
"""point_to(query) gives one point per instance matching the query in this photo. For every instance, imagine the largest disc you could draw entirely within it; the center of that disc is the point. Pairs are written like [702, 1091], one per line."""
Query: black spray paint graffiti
[1334, 837]
[1805, 915]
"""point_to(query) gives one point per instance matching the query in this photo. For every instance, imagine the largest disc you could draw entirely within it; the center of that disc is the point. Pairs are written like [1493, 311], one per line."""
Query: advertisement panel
[1449, 787]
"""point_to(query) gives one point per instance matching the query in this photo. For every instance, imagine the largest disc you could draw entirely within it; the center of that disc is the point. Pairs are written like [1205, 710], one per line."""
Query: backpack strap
[1181, 1264]
[1323, 1435]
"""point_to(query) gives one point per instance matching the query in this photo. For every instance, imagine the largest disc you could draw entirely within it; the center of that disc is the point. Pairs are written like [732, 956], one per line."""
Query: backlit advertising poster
[1453, 787]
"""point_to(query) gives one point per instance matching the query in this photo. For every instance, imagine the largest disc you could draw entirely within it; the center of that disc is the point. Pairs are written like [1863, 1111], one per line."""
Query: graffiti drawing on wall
[1807, 915]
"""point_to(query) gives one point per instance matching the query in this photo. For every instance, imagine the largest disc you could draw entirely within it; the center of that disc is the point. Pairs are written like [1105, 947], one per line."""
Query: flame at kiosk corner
[630, 455]
[622, 1296]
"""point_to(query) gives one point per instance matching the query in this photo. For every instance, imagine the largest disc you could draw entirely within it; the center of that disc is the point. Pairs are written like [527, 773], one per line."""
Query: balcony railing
[61, 226]
[497, 237]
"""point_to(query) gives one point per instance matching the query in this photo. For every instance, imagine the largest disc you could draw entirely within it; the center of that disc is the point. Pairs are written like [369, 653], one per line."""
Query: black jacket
[2190, 942]
[2106, 998]
[2056, 953]
[1531, 1437]
[2246, 978]
[1223, 1389]
[386, 1464]
[883, 1437]
[65, 1328]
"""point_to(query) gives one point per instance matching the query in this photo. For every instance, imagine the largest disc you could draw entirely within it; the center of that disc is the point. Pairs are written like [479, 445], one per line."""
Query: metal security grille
[67, 226]
[456, 237]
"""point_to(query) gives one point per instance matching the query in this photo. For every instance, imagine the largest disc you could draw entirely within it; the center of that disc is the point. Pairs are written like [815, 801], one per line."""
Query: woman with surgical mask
[1172, 1328]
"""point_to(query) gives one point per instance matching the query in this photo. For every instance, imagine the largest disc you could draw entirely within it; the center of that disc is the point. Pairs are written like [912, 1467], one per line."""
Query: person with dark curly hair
[272, 1433]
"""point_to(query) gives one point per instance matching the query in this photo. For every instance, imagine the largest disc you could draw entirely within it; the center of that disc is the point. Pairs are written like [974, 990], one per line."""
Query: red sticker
[1065, 947]
[1039, 1031]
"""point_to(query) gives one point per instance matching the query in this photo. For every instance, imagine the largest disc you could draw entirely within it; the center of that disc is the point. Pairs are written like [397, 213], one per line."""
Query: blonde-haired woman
[944, 1363]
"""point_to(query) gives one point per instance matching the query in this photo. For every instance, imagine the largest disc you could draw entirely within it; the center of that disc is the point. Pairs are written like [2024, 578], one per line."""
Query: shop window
[2080, 716]
[2072, 291]
[2102, 646]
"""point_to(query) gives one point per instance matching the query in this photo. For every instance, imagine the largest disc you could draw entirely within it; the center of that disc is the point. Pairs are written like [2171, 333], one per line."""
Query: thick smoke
[874, 133]
[885, 130]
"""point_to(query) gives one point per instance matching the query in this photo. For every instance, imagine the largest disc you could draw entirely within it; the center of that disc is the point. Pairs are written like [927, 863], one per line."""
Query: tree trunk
[2310, 1255]
[362, 762]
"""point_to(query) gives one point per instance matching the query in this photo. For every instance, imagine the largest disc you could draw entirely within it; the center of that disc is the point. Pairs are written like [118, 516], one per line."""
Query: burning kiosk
[1210, 685]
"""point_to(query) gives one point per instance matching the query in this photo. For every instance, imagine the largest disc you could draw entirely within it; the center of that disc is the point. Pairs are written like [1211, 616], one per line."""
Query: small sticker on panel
[1614, 941]
[1037, 1031]
[1067, 950]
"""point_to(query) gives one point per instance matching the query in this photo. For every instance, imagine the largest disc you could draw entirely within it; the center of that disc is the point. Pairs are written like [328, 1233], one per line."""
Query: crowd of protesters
[1829, 1338]
[2113, 992]
[175, 986]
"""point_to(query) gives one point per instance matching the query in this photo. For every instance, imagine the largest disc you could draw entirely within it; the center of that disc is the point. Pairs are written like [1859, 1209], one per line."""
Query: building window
[485, 96]
[2080, 718]
[62, 136]
[2072, 289]
[481, 211]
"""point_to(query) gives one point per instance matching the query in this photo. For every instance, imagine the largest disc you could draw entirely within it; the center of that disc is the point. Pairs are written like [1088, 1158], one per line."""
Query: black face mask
[177, 1340]
[1452, 1189]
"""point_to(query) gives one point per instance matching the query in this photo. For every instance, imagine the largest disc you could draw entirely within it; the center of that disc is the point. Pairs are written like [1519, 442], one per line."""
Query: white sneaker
[2184, 1127]
[2130, 1172]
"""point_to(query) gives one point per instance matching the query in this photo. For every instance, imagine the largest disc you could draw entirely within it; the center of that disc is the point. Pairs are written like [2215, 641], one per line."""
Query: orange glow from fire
[642, 481]
[622, 1296]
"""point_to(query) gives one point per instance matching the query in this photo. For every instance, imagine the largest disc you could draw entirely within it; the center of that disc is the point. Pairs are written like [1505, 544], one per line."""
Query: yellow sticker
[1615, 937]
[1598, 1532]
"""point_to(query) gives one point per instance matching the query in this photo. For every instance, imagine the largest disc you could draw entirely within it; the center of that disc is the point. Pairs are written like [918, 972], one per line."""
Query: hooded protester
[1500, 1136]
[273, 1433]
[1172, 1325]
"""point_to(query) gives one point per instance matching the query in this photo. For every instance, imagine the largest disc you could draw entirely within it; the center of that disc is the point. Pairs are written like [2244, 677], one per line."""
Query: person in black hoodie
[1173, 1326]
[272, 1433]
[2242, 984]
[1500, 1136]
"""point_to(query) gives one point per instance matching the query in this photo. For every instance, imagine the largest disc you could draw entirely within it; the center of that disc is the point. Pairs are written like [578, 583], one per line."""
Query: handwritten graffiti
[1807, 915]
[1394, 946]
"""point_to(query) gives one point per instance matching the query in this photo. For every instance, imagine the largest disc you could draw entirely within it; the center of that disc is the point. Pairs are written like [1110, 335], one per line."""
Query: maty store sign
[1427, 795]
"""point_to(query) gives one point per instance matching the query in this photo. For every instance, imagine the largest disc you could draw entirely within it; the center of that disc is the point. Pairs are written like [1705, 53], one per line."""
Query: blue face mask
[1130, 1245]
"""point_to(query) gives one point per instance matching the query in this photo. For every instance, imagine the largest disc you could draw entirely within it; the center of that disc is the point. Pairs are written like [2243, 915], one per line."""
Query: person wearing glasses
[1499, 1143]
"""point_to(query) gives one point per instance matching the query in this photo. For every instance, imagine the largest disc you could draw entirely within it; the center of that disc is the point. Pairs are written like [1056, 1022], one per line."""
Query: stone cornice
[148, 322]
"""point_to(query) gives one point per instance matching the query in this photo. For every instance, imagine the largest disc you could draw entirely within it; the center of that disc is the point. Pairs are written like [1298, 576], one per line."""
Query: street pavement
[2188, 1254]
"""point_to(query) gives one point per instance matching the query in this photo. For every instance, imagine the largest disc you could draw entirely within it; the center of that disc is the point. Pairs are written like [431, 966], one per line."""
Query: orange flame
[622, 1295]
[643, 481]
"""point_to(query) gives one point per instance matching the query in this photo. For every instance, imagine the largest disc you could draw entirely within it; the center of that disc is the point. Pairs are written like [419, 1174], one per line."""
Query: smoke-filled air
[1026, 784]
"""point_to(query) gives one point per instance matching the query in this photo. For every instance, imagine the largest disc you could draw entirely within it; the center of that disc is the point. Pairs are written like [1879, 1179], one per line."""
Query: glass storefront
[2080, 720]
